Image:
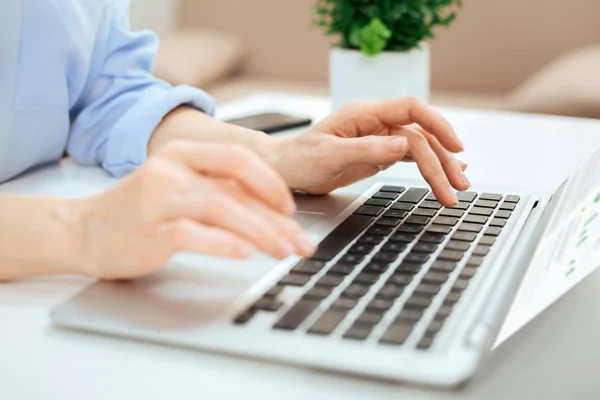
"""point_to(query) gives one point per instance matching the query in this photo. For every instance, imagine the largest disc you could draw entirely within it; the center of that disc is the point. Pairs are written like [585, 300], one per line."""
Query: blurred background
[540, 56]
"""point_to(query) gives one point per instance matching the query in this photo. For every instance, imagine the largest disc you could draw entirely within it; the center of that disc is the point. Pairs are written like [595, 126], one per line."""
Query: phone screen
[271, 122]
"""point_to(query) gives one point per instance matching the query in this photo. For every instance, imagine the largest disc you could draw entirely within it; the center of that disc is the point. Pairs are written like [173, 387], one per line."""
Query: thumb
[369, 150]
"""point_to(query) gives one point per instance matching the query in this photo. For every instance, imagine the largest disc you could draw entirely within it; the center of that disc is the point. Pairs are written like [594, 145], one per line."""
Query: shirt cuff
[127, 146]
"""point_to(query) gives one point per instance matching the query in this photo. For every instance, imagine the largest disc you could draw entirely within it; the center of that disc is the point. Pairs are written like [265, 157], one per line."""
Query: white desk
[553, 357]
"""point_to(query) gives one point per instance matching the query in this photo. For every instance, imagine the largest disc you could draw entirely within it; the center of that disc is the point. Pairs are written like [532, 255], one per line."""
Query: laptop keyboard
[399, 263]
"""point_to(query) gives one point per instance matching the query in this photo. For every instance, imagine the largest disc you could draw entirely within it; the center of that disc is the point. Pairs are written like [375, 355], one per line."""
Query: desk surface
[554, 357]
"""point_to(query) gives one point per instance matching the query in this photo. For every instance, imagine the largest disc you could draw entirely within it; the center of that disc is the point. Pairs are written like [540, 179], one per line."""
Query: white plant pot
[355, 76]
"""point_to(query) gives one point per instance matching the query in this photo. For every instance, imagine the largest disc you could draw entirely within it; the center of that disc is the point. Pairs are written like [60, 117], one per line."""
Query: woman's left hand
[363, 138]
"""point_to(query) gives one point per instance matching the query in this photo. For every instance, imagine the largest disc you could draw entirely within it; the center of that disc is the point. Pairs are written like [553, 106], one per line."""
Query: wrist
[75, 216]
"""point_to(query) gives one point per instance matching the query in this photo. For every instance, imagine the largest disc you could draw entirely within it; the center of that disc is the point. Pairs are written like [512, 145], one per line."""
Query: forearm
[38, 236]
[186, 123]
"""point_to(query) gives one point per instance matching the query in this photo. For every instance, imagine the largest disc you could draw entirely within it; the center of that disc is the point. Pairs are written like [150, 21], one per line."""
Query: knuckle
[416, 101]
[180, 232]
[216, 206]
[419, 139]
[174, 148]
[240, 155]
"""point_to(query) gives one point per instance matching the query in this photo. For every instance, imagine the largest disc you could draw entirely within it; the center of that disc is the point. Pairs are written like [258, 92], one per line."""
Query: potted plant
[382, 52]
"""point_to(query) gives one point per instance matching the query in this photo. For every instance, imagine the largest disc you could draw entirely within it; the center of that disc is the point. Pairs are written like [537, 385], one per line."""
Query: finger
[286, 227]
[367, 150]
[235, 162]
[222, 211]
[429, 165]
[370, 117]
[190, 236]
[450, 164]
[463, 165]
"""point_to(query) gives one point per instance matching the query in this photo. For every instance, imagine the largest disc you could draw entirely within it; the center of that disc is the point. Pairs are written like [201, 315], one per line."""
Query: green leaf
[372, 38]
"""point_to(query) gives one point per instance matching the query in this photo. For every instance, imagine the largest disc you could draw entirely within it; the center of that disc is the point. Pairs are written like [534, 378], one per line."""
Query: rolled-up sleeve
[123, 102]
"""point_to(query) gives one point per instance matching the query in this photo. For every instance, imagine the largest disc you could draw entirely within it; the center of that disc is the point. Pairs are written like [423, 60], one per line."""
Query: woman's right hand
[215, 199]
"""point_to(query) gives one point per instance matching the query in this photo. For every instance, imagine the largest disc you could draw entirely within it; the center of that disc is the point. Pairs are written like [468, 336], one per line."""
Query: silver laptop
[401, 288]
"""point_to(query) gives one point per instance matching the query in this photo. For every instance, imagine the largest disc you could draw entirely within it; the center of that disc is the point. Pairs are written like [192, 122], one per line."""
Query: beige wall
[492, 47]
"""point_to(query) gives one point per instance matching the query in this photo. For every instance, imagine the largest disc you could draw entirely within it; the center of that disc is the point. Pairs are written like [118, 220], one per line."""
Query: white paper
[568, 251]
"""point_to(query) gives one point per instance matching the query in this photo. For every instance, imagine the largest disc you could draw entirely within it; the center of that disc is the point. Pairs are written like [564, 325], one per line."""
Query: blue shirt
[74, 77]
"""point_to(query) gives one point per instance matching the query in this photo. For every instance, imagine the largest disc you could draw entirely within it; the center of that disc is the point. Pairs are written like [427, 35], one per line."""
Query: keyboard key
[508, 206]
[387, 221]
[385, 257]
[475, 261]
[461, 206]
[487, 240]
[439, 229]
[408, 268]
[318, 293]
[417, 219]
[409, 228]
[395, 214]
[435, 278]
[341, 236]
[361, 248]
[464, 236]
[486, 204]
[355, 291]
[492, 231]
[376, 267]
[466, 196]
[490, 196]
[369, 318]
[466, 227]
[450, 221]
[426, 290]
[358, 332]
[330, 280]
[245, 316]
[352, 258]
[385, 196]
[418, 258]
[274, 291]
[369, 210]
[443, 313]
[481, 250]
[502, 214]
[409, 315]
[450, 255]
[394, 247]
[297, 314]
[413, 195]
[475, 219]
[327, 322]
[486, 212]
[424, 247]
[419, 303]
[425, 343]
[460, 285]
[433, 205]
[308, 267]
[400, 280]
[380, 305]
[344, 304]
[341, 269]
[434, 328]
[402, 206]
[370, 239]
[468, 272]
[432, 238]
[396, 334]
[452, 298]
[457, 245]
[449, 212]
[295, 280]
[389, 292]
[424, 212]
[402, 237]
[499, 222]
[431, 197]
[512, 199]
[379, 230]
[393, 189]
[366, 278]
[443, 266]
[378, 202]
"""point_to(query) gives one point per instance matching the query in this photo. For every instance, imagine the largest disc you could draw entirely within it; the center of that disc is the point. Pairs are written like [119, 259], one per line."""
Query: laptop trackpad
[315, 209]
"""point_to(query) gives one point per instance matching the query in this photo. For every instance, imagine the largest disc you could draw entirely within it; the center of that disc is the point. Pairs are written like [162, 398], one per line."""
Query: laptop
[401, 288]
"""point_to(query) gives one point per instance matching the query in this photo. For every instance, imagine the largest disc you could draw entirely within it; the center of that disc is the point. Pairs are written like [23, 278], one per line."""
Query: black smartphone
[271, 122]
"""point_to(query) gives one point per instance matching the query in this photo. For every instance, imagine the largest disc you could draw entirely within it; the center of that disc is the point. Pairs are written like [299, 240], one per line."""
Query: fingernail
[289, 208]
[285, 248]
[245, 250]
[465, 179]
[453, 196]
[306, 246]
[397, 144]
